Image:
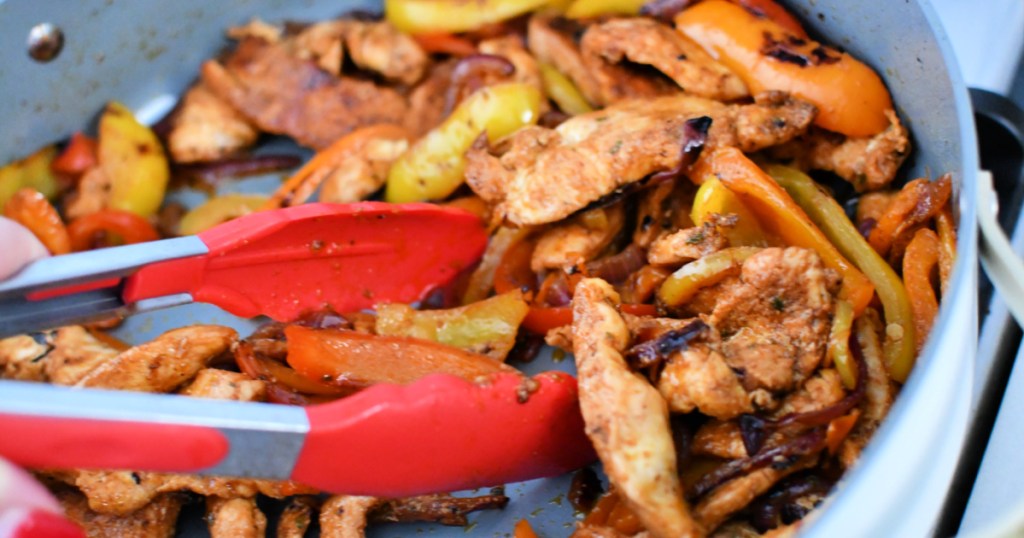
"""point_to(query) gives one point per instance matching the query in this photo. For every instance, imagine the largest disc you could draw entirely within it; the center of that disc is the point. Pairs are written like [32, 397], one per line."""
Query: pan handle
[1003, 266]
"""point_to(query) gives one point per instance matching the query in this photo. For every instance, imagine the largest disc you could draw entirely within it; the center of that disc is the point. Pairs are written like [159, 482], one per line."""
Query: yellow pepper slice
[32, 172]
[220, 209]
[488, 327]
[839, 344]
[131, 155]
[780, 215]
[714, 198]
[682, 285]
[898, 348]
[434, 166]
[433, 16]
[562, 91]
[584, 9]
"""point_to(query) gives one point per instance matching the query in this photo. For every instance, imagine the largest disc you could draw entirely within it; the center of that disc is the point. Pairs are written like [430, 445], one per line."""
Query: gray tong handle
[1001, 263]
[82, 267]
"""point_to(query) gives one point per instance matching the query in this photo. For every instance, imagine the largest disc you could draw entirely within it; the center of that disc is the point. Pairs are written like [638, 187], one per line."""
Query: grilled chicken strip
[734, 495]
[698, 377]
[206, 128]
[548, 174]
[555, 40]
[578, 240]
[625, 417]
[75, 353]
[23, 358]
[224, 385]
[156, 520]
[163, 364]
[283, 94]
[235, 518]
[689, 244]
[345, 516]
[610, 47]
[868, 163]
[373, 45]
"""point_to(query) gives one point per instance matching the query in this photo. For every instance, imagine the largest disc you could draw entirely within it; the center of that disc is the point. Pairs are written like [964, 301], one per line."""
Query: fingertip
[36, 523]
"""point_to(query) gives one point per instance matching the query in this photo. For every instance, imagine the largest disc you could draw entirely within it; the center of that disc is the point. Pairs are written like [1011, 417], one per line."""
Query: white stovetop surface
[988, 37]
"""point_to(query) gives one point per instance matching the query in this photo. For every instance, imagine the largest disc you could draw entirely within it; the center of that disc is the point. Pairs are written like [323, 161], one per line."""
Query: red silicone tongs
[441, 433]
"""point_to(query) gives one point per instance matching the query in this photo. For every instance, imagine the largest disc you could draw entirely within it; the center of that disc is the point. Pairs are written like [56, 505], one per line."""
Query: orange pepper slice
[920, 260]
[353, 359]
[32, 210]
[850, 96]
[130, 227]
[445, 43]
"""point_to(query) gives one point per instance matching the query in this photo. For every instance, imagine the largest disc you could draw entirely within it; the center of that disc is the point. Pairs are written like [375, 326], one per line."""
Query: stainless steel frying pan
[146, 53]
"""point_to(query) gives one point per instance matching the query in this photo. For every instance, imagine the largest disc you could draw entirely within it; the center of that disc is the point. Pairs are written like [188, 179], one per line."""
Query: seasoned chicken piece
[92, 194]
[224, 385]
[206, 128]
[548, 174]
[721, 439]
[114, 492]
[698, 377]
[235, 518]
[156, 520]
[257, 28]
[380, 47]
[23, 358]
[428, 99]
[555, 40]
[76, 352]
[778, 314]
[344, 516]
[577, 240]
[612, 47]
[689, 244]
[322, 43]
[823, 389]
[163, 364]
[625, 417]
[560, 337]
[296, 517]
[283, 94]
[364, 172]
[868, 163]
[734, 495]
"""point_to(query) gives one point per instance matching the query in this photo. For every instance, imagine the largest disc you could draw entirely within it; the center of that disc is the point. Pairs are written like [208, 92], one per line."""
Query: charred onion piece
[695, 135]
[654, 352]
[585, 490]
[664, 10]
[239, 166]
[755, 430]
[809, 443]
[781, 506]
[617, 267]
[472, 73]
[439, 508]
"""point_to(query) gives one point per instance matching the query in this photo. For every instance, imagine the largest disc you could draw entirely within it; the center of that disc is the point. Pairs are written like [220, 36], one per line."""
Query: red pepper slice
[130, 227]
[445, 43]
[77, 157]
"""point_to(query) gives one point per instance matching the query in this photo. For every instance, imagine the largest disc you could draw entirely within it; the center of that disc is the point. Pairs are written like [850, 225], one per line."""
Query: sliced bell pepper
[523, 529]
[79, 156]
[349, 358]
[779, 214]
[434, 166]
[774, 11]
[946, 229]
[433, 16]
[850, 96]
[838, 429]
[33, 172]
[484, 277]
[830, 216]
[712, 197]
[488, 327]
[445, 43]
[682, 285]
[134, 160]
[920, 260]
[585, 9]
[272, 371]
[32, 210]
[839, 344]
[129, 227]
[562, 91]
[218, 210]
